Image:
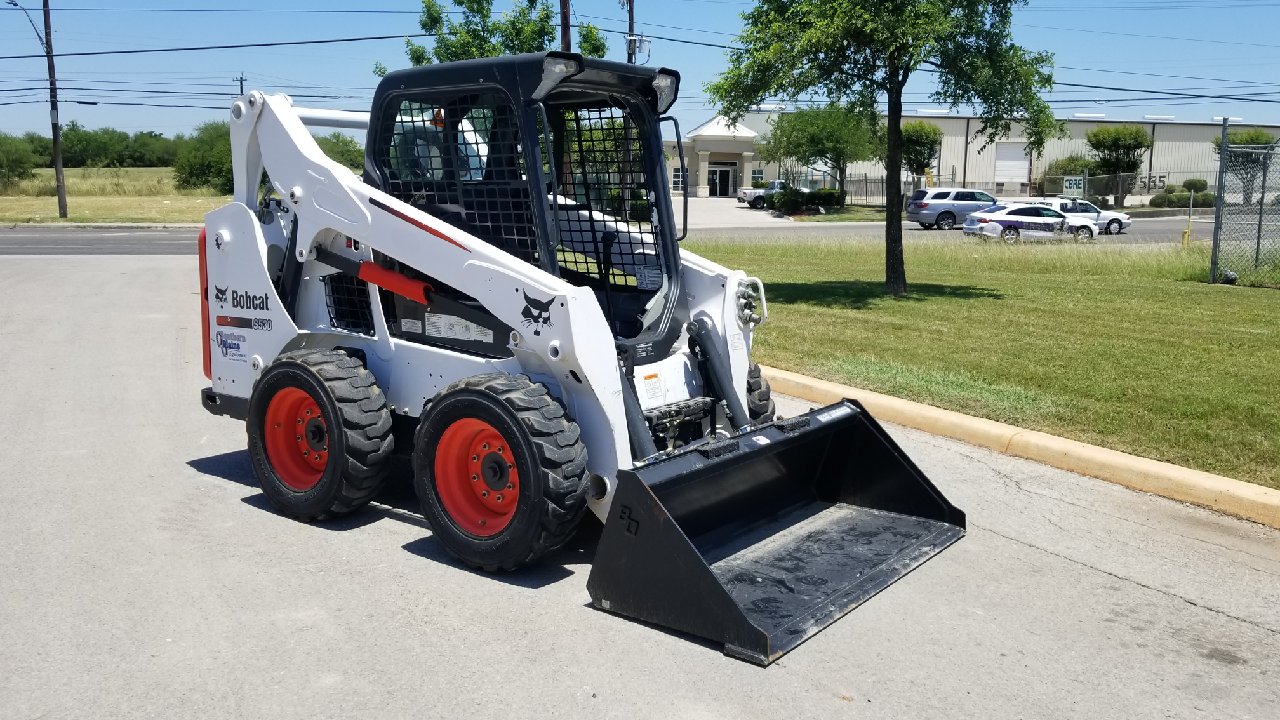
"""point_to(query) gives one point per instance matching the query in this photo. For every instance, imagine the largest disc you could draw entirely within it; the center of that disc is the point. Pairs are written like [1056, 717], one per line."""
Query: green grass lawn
[107, 195]
[848, 213]
[1121, 347]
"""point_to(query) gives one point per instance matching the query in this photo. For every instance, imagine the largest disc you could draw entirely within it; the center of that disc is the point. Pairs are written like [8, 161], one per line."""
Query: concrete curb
[107, 226]
[1223, 494]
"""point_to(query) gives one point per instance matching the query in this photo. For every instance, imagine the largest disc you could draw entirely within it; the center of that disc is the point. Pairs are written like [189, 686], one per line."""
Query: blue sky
[1224, 47]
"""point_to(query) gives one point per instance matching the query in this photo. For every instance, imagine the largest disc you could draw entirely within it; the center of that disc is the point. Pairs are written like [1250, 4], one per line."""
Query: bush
[1101, 202]
[1159, 201]
[759, 184]
[1069, 165]
[16, 160]
[1206, 199]
[1179, 200]
[824, 198]
[204, 159]
[1196, 185]
[789, 201]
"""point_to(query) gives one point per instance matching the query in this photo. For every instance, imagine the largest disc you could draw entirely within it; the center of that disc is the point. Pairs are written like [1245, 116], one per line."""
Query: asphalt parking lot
[144, 575]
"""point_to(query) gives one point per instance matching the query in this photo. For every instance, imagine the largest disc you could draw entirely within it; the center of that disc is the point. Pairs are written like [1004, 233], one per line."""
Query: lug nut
[475, 478]
[510, 486]
[484, 493]
[317, 456]
[482, 522]
[499, 498]
[484, 446]
[299, 438]
[499, 449]
[475, 458]
[299, 421]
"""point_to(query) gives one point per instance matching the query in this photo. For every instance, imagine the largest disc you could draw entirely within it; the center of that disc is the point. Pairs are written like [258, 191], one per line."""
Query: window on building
[679, 177]
[757, 175]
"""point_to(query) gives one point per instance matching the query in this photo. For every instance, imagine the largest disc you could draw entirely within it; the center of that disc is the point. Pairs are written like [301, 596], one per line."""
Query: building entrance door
[719, 182]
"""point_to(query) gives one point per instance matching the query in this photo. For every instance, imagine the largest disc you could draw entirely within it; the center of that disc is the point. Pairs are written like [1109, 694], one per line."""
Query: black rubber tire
[760, 406]
[548, 454]
[1011, 235]
[357, 466]
[945, 221]
[926, 226]
[756, 203]
[1113, 227]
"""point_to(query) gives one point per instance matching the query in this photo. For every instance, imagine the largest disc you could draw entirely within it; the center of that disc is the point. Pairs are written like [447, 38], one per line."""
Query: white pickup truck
[754, 197]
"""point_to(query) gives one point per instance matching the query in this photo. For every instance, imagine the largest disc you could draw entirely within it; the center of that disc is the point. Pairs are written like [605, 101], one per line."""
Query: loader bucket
[760, 541]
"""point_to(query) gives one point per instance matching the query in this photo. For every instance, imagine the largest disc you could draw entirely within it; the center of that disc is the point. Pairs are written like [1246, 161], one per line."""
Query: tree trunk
[840, 181]
[895, 273]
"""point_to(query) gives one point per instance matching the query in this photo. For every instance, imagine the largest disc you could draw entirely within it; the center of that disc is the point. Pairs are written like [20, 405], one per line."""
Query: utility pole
[632, 40]
[47, 42]
[242, 78]
[565, 43]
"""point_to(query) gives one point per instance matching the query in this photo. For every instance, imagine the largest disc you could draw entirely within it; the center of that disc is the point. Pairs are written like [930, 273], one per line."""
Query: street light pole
[53, 115]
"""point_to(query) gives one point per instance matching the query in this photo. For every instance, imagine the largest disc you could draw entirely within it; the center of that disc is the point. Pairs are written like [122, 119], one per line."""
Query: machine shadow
[398, 501]
[860, 294]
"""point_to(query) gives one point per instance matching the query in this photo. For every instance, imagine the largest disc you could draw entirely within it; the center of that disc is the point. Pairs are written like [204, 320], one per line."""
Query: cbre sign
[1073, 185]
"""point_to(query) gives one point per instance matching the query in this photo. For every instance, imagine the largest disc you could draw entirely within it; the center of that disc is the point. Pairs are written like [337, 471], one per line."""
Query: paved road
[28, 240]
[143, 575]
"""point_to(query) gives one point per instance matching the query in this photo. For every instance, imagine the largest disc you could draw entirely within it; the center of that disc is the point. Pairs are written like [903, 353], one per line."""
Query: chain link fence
[1246, 236]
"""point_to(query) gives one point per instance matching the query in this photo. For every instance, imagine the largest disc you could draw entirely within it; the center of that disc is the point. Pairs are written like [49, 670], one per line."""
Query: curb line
[105, 226]
[1223, 494]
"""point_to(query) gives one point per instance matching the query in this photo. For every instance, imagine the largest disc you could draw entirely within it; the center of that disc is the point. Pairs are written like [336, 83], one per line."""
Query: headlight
[554, 70]
[666, 86]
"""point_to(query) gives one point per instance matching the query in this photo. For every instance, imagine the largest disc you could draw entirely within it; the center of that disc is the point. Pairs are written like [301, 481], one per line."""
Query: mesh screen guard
[587, 214]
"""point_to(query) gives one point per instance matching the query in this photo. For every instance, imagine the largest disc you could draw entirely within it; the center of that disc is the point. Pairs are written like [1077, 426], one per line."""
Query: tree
[859, 50]
[41, 147]
[204, 159]
[833, 136]
[148, 148]
[16, 160]
[1245, 166]
[1118, 150]
[473, 32]
[343, 149]
[920, 143]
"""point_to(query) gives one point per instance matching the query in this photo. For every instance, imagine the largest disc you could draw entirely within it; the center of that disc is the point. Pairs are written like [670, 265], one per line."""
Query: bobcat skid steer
[502, 299]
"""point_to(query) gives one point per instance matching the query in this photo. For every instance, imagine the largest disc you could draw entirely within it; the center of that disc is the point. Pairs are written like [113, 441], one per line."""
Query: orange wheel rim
[476, 478]
[297, 439]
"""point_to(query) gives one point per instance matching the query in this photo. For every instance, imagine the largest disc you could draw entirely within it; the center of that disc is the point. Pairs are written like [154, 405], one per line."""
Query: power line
[1094, 31]
[236, 46]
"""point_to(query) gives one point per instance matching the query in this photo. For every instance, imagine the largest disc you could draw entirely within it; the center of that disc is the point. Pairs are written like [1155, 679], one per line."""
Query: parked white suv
[1108, 222]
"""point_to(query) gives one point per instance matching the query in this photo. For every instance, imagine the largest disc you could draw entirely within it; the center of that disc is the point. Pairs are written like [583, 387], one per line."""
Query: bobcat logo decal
[219, 295]
[536, 314]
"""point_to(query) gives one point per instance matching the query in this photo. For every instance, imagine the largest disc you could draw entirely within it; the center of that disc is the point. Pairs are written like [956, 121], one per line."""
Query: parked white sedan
[1012, 222]
[1107, 222]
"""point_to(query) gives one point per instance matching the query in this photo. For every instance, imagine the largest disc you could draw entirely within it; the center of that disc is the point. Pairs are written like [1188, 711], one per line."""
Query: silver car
[945, 208]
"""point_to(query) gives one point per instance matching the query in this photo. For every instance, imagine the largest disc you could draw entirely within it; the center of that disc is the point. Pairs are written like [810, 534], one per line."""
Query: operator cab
[555, 159]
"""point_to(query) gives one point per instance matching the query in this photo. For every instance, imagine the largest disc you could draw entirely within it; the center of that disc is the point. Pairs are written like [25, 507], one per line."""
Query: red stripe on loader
[204, 308]
[418, 224]
[400, 284]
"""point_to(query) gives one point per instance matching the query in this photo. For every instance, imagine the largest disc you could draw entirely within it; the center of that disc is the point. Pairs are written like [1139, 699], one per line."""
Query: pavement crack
[1139, 583]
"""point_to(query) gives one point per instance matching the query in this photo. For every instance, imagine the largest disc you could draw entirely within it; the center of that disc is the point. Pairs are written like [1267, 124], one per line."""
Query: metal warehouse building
[721, 155]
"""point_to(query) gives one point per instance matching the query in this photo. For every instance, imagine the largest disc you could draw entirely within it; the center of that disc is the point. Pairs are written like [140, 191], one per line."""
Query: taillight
[922, 205]
[204, 307]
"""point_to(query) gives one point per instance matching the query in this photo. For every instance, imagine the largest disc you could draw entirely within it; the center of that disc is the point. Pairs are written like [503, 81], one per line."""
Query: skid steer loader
[502, 298]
